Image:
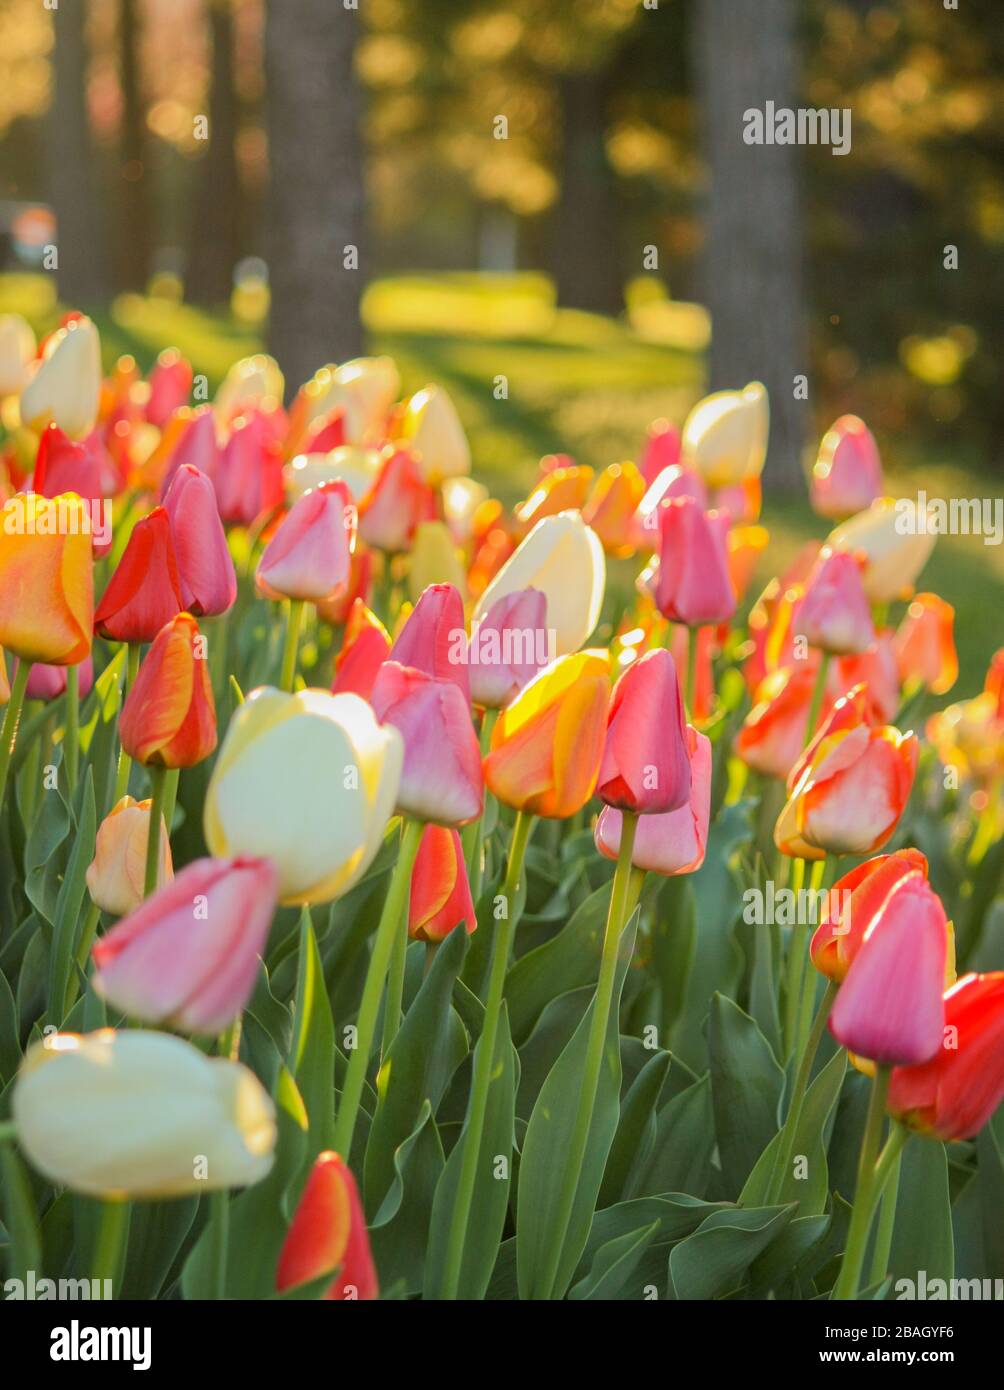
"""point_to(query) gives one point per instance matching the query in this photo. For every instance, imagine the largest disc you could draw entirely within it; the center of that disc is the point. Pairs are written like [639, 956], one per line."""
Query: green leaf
[684, 1143]
[925, 1243]
[157, 1232]
[10, 1048]
[746, 1086]
[399, 1235]
[570, 960]
[312, 1053]
[614, 1264]
[25, 1250]
[66, 923]
[636, 1130]
[714, 1260]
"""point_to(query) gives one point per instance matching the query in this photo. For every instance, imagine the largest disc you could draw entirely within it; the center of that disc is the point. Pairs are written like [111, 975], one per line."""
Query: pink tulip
[890, 1006]
[847, 475]
[197, 446]
[690, 579]
[188, 956]
[310, 555]
[205, 568]
[646, 766]
[434, 638]
[49, 682]
[662, 450]
[397, 501]
[248, 479]
[506, 647]
[441, 778]
[833, 613]
[676, 481]
[170, 385]
[674, 842]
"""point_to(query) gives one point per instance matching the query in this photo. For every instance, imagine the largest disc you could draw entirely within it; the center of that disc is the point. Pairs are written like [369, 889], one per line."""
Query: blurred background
[546, 205]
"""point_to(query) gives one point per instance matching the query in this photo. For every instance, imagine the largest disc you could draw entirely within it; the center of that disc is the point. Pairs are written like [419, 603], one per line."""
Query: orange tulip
[611, 505]
[561, 490]
[924, 645]
[46, 579]
[169, 718]
[773, 733]
[546, 747]
[328, 1232]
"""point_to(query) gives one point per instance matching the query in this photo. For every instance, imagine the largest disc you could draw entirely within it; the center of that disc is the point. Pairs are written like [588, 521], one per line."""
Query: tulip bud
[169, 718]
[432, 428]
[251, 383]
[671, 482]
[369, 387]
[673, 842]
[198, 447]
[328, 1232]
[847, 474]
[993, 684]
[365, 647]
[662, 450]
[463, 500]
[206, 574]
[188, 956]
[924, 645]
[310, 554]
[66, 387]
[833, 612]
[508, 647]
[773, 734]
[646, 765]
[357, 468]
[559, 490]
[115, 877]
[67, 465]
[140, 1115]
[611, 505]
[434, 639]
[853, 904]
[248, 478]
[397, 501]
[875, 671]
[144, 593]
[46, 579]
[725, 435]
[17, 348]
[170, 386]
[308, 780]
[440, 889]
[690, 580]
[441, 778]
[897, 540]
[435, 559]
[49, 682]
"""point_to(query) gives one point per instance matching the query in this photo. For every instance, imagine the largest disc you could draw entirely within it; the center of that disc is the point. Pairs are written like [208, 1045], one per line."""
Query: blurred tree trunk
[215, 238]
[315, 200]
[588, 273]
[745, 56]
[73, 183]
[135, 249]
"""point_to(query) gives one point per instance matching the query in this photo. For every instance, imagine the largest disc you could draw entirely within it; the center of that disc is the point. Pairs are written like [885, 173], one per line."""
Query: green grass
[574, 383]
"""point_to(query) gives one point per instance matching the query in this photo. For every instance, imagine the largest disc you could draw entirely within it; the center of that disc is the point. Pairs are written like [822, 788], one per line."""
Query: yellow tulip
[725, 435]
[115, 876]
[895, 537]
[66, 388]
[432, 427]
[434, 559]
[17, 348]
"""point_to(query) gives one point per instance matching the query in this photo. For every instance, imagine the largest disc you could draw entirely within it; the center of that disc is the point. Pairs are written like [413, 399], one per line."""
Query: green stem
[472, 836]
[795, 962]
[887, 1217]
[71, 737]
[595, 1044]
[483, 1059]
[849, 1278]
[398, 962]
[158, 779]
[110, 1242]
[170, 797]
[816, 703]
[219, 1239]
[810, 977]
[83, 951]
[789, 1132]
[125, 762]
[293, 620]
[691, 681]
[376, 975]
[9, 735]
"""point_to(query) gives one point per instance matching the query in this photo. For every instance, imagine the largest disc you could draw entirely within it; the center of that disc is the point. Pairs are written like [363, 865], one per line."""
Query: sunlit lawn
[529, 379]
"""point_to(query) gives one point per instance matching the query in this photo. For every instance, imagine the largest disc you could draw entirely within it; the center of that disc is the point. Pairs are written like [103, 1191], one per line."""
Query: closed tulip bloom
[547, 746]
[205, 568]
[850, 796]
[646, 765]
[434, 639]
[924, 644]
[198, 447]
[559, 490]
[969, 736]
[440, 889]
[17, 348]
[613, 502]
[49, 682]
[310, 555]
[848, 712]
[897, 540]
[847, 474]
[875, 669]
[745, 545]
[508, 647]
[115, 876]
[463, 500]
[675, 841]
[170, 386]
[662, 450]
[773, 734]
[397, 501]
[671, 482]
[890, 1007]
[741, 501]
[365, 647]
[66, 386]
[725, 435]
[690, 582]
[833, 613]
[188, 956]
[357, 468]
[853, 904]
[144, 593]
[328, 1232]
[125, 1113]
[435, 559]
[952, 1096]
[252, 383]
[169, 718]
[432, 428]
[68, 465]
[369, 386]
[563, 558]
[249, 476]
[308, 780]
[46, 579]
[441, 778]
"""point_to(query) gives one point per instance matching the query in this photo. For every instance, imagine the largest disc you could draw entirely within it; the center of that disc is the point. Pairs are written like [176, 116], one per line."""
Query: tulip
[357, 468]
[690, 580]
[853, 904]
[46, 579]
[309, 555]
[398, 499]
[144, 593]
[308, 780]
[188, 956]
[547, 746]
[252, 383]
[365, 647]
[169, 718]
[435, 559]
[140, 1114]
[560, 490]
[673, 842]
[563, 558]
[115, 876]
[952, 1096]
[440, 889]
[441, 779]
[671, 482]
[206, 574]
[774, 732]
[613, 502]
[924, 645]
[434, 639]
[875, 670]
[725, 435]
[198, 448]
[66, 465]
[740, 501]
[745, 545]
[463, 500]
[432, 428]
[993, 684]
[847, 474]
[897, 542]
[848, 712]
[662, 450]
[369, 387]
[248, 478]
[508, 646]
[833, 612]
[336, 611]
[328, 1232]
[66, 386]
[17, 348]
[646, 762]
[170, 385]
[49, 682]
[850, 794]
[969, 737]
[889, 1007]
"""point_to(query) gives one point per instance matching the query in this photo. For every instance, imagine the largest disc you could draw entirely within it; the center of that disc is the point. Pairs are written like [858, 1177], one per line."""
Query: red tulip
[875, 671]
[993, 684]
[170, 386]
[66, 465]
[434, 638]
[924, 645]
[440, 889]
[506, 648]
[144, 593]
[310, 554]
[205, 568]
[328, 1232]
[169, 718]
[691, 583]
[645, 766]
[833, 612]
[675, 841]
[853, 903]
[365, 647]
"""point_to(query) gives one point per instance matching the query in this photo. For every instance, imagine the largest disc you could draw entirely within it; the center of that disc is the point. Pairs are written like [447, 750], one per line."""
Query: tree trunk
[135, 242]
[588, 272]
[315, 200]
[745, 57]
[215, 238]
[73, 184]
